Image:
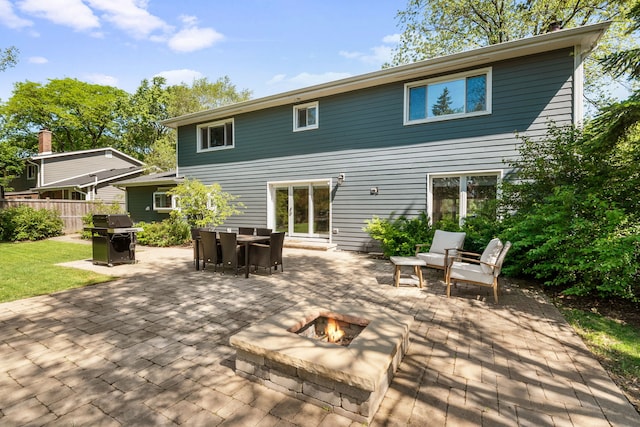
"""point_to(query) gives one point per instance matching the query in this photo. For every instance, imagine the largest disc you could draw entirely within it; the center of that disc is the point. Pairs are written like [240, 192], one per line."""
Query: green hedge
[20, 223]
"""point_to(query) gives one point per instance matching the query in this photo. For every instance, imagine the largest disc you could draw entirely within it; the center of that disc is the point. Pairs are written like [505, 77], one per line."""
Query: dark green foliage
[166, 233]
[26, 223]
[572, 215]
[399, 236]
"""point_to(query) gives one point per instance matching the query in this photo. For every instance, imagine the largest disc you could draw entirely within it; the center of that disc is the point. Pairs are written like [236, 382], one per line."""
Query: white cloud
[304, 79]
[277, 79]
[176, 77]
[71, 13]
[392, 38]
[192, 38]
[130, 16]
[9, 18]
[377, 54]
[38, 60]
[102, 79]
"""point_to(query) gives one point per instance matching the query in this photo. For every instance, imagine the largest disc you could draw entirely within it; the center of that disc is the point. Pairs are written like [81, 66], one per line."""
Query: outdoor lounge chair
[209, 249]
[443, 247]
[232, 253]
[479, 269]
[268, 255]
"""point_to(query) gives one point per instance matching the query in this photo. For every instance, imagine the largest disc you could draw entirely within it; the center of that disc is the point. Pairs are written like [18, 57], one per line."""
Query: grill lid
[112, 221]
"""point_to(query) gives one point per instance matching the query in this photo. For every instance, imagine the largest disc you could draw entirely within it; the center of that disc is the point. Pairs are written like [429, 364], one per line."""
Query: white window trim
[297, 128]
[463, 193]
[163, 208]
[447, 78]
[32, 172]
[214, 124]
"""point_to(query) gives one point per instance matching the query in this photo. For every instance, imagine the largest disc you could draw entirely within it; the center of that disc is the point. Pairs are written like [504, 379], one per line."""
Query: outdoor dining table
[243, 239]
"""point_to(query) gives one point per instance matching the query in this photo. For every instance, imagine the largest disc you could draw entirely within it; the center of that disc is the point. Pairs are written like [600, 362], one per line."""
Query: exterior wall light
[373, 190]
[341, 178]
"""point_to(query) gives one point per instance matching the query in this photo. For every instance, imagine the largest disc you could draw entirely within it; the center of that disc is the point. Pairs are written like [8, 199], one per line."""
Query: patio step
[309, 244]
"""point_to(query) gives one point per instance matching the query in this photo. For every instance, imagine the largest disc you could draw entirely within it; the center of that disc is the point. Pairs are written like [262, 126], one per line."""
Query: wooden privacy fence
[71, 211]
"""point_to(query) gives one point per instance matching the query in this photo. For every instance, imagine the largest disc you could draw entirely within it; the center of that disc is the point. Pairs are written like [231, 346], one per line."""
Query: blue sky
[266, 46]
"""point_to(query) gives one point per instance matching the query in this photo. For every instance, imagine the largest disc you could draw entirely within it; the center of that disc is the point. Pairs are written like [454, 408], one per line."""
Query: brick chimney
[44, 141]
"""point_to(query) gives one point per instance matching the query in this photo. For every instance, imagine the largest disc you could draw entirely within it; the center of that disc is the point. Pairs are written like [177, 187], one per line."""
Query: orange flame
[334, 333]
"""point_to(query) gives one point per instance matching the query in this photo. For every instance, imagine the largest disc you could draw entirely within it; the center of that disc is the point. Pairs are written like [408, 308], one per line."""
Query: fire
[334, 333]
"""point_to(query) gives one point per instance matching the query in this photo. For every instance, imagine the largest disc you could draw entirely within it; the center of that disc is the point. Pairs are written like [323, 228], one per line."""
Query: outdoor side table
[408, 261]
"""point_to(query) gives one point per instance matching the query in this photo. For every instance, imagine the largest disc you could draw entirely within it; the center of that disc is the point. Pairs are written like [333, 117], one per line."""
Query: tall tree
[142, 115]
[204, 95]
[8, 57]
[432, 28]
[80, 115]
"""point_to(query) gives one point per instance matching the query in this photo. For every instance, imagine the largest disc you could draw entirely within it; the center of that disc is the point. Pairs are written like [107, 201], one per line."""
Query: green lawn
[28, 269]
[616, 344]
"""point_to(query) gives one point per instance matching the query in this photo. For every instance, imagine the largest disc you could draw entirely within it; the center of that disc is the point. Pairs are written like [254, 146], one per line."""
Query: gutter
[587, 37]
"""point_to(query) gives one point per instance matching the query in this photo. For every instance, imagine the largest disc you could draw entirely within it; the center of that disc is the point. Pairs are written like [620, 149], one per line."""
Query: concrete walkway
[151, 348]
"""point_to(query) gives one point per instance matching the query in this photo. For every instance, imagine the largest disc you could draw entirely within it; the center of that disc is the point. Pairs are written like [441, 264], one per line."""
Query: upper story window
[448, 97]
[31, 171]
[217, 135]
[305, 116]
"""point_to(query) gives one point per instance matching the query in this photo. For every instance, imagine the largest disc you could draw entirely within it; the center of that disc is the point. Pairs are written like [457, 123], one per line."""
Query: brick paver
[152, 348]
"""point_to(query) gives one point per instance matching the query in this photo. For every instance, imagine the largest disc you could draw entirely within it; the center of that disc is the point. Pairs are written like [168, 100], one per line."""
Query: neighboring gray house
[75, 175]
[429, 136]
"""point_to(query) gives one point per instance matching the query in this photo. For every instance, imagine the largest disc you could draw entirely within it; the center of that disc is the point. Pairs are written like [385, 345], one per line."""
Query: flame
[334, 333]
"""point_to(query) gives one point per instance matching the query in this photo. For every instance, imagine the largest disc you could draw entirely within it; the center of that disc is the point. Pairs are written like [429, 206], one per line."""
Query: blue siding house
[429, 136]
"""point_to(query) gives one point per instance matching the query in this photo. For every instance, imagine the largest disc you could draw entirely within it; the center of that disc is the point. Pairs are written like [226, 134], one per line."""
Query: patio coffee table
[411, 261]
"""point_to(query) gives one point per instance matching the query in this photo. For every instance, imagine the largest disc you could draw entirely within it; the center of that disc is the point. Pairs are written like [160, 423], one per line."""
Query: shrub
[399, 236]
[203, 205]
[26, 223]
[166, 233]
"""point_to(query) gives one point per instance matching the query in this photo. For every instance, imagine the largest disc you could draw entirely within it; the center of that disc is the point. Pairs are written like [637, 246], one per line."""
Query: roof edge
[586, 37]
[91, 150]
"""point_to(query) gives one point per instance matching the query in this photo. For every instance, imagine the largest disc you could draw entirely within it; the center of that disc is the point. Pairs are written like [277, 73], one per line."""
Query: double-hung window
[217, 135]
[163, 202]
[454, 197]
[450, 97]
[305, 116]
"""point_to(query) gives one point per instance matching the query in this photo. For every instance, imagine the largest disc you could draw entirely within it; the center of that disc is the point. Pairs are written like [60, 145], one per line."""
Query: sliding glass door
[302, 209]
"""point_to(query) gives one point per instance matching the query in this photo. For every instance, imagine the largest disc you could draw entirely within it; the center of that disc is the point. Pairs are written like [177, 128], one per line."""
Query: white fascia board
[586, 37]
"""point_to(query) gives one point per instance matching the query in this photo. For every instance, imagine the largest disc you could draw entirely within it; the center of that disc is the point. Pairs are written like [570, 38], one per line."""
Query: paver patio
[151, 348]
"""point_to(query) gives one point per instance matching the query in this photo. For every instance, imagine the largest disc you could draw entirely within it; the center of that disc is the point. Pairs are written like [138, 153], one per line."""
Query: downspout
[93, 193]
[578, 86]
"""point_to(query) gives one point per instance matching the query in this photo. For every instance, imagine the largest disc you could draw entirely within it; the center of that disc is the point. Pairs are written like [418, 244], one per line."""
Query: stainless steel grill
[114, 239]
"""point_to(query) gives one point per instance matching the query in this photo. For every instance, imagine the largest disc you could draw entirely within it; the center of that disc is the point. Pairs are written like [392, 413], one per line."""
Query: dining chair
[263, 231]
[246, 230]
[210, 249]
[197, 245]
[232, 252]
[268, 255]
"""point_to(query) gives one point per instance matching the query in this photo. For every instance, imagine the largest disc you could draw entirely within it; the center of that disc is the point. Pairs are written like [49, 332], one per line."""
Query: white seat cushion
[432, 259]
[446, 240]
[490, 255]
[472, 272]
